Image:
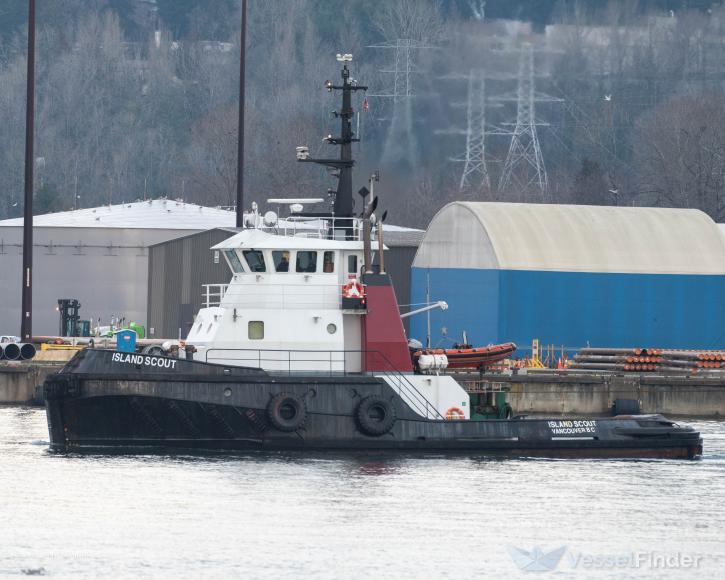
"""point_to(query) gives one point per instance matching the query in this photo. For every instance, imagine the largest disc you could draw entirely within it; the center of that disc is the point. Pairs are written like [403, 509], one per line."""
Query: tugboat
[305, 349]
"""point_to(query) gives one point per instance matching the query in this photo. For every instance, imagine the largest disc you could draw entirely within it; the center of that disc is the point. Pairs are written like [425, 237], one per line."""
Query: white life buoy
[353, 290]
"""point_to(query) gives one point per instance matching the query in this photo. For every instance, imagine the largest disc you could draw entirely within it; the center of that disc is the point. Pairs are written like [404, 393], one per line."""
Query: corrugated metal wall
[398, 261]
[572, 309]
[177, 271]
[105, 268]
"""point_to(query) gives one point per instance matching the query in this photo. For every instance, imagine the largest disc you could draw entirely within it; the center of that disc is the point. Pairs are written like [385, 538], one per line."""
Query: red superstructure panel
[384, 337]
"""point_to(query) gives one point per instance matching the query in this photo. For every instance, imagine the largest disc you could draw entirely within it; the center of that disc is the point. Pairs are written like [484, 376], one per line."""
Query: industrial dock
[551, 392]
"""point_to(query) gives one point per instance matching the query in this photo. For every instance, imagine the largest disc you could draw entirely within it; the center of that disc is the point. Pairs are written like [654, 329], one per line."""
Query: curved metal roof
[178, 215]
[579, 238]
[150, 214]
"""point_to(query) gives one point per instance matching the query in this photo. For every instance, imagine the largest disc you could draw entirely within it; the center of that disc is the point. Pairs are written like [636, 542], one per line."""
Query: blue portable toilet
[126, 341]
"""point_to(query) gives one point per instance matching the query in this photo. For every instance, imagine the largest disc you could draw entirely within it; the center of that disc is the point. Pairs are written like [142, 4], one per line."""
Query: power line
[399, 146]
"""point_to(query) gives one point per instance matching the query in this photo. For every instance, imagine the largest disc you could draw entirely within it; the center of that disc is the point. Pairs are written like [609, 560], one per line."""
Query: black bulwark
[128, 401]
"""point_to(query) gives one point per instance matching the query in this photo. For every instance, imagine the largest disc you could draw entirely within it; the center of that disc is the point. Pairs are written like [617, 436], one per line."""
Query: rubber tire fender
[288, 402]
[375, 426]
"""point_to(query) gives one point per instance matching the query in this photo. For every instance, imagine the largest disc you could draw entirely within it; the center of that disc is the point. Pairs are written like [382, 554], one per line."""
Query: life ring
[287, 412]
[455, 414]
[353, 290]
[375, 416]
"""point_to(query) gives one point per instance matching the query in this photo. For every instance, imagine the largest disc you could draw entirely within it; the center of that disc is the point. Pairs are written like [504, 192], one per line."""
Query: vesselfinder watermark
[538, 559]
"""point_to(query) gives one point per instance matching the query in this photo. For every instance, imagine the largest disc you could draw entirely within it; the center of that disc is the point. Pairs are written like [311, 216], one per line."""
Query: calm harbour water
[354, 516]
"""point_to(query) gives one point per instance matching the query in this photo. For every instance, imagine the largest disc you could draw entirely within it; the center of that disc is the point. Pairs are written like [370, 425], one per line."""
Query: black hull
[92, 405]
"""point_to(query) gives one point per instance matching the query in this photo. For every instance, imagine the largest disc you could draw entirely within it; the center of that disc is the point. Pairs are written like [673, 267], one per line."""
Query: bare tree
[681, 154]
[410, 19]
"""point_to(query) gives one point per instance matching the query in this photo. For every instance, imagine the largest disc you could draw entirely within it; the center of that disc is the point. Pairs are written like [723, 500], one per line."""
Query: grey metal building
[179, 268]
[96, 255]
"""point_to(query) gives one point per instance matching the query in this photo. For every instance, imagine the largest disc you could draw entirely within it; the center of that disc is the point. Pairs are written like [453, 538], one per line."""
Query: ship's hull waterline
[94, 404]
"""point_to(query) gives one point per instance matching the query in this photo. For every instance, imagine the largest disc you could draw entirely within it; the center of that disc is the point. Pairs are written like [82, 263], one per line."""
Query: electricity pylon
[400, 146]
[475, 174]
[475, 170]
[524, 165]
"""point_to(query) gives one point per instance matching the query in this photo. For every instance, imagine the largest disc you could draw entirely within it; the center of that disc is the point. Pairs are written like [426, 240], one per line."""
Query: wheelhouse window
[281, 260]
[234, 261]
[306, 261]
[352, 264]
[255, 260]
[328, 262]
[255, 329]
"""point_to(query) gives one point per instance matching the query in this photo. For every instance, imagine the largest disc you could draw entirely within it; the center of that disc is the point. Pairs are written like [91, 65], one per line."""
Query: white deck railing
[318, 228]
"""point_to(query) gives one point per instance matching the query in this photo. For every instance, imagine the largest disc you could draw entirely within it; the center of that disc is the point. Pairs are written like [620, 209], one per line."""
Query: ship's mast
[342, 207]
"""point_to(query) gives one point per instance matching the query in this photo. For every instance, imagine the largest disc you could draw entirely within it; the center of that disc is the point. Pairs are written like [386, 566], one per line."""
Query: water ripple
[356, 516]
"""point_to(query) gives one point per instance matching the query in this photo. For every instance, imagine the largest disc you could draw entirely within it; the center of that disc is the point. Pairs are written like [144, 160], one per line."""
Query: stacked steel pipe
[647, 360]
[17, 351]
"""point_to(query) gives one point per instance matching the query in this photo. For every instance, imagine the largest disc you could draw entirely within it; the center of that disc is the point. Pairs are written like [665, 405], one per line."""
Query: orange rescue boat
[468, 357]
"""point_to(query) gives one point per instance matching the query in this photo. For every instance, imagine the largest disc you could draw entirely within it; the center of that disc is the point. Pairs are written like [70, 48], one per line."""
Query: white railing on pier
[213, 294]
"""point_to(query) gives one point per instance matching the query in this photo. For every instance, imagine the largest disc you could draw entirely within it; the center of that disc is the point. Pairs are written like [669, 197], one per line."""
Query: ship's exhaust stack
[367, 234]
[384, 339]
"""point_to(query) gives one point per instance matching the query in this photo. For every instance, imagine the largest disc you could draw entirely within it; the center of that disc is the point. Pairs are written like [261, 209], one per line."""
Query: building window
[328, 262]
[255, 260]
[255, 330]
[352, 264]
[307, 262]
[234, 261]
[281, 260]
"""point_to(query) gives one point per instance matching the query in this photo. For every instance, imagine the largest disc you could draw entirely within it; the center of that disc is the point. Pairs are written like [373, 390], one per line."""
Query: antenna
[343, 203]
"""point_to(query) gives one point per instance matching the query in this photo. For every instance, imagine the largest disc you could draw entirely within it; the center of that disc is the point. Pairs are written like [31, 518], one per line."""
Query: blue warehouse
[572, 275]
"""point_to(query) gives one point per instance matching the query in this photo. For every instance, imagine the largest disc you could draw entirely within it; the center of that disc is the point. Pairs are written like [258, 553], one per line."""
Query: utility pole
[240, 134]
[26, 324]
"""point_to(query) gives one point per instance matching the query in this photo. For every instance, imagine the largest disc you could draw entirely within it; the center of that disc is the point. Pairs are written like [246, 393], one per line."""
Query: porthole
[331, 328]
[227, 392]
